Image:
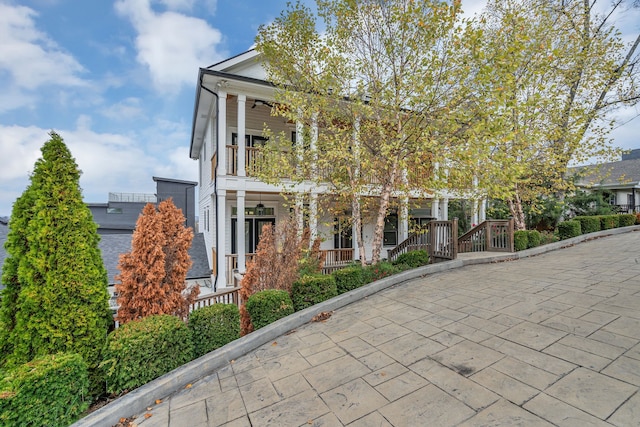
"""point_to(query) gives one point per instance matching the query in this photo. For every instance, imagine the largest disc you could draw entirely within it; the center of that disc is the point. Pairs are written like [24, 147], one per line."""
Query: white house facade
[233, 103]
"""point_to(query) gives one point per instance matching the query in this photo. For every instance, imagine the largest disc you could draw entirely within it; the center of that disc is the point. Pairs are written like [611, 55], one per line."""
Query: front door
[252, 232]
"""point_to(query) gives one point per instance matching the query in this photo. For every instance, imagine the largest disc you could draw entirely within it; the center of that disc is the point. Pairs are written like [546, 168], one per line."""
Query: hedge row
[590, 224]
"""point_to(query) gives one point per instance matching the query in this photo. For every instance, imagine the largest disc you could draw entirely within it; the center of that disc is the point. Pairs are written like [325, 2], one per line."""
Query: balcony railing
[623, 209]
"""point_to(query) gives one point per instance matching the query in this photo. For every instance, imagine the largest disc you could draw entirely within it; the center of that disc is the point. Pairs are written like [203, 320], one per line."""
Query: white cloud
[127, 109]
[29, 56]
[170, 45]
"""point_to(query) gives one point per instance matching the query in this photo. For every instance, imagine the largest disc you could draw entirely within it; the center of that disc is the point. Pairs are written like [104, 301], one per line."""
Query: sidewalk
[547, 340]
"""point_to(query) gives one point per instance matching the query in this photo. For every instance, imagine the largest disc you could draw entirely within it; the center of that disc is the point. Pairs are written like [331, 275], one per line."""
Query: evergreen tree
[153, 275]
[56, 298]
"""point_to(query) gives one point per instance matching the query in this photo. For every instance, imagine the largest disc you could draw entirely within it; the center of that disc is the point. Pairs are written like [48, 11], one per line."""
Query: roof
[620, 174]
[112, 245]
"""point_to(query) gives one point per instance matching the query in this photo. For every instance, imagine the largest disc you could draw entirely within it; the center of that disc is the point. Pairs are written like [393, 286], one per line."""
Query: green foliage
[626, 220]
[412, 259]
[349, 278]
[547, 237]
[589, 203]
[311, 290]
[608, 221]
[521, 240]
[498, 209]
[144, 349]
[588, 224]
[380, 270]
[214, 326]
[568, 229]
[47, 391]
[57, 298]
[544, 213]
[534, 238]
[267, 306]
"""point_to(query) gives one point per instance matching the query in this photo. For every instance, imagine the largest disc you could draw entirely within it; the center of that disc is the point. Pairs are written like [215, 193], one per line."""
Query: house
[621, 180]
[233, 102]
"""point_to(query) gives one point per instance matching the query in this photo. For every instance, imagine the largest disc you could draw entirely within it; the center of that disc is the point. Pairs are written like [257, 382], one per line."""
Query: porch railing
[627, 208]
[438, 238]
[492, 235]
[335, 259]
[226, 296]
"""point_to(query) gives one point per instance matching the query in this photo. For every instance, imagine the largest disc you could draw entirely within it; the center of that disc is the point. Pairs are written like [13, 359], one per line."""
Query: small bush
[349, 278]
[547, 237]
[48, 391]
[267, 306]
[520, 240]
[626, 220]
[588, 224]
[608, 222]
[142, 350]
[534, 238]
[213, 326]
[568, 229]
[413, 259]
[379, 271]
[310, 290]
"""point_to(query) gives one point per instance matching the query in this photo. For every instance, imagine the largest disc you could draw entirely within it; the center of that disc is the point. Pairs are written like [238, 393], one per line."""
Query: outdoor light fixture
[259, 102]
[260, 207]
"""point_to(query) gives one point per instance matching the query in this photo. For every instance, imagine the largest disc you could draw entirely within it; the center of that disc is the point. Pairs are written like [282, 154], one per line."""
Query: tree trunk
[515, 207]
[356, 224]
[378, 233]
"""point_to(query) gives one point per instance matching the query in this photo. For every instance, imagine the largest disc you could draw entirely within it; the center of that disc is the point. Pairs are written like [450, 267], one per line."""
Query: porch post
[240, 243]
[445, 209]
[222, 136]
[404, 220]
[313, 216]
[242, 149]
[221, 262]
[435, 209]
[483, 210]
[474, 213]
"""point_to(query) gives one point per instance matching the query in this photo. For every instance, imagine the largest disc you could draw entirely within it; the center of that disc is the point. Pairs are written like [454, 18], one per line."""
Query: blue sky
[116, 79]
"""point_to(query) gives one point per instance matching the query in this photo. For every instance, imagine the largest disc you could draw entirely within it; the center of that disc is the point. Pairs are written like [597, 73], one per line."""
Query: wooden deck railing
[492, 235]
[335, 259]
[226, 296]
[438, 238]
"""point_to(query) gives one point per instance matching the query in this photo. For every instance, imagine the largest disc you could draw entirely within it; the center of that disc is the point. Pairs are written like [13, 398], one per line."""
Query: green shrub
[349, 278]
[48, 391]
[568, 229]
[379, 271]
[547, 237]
[608, 222]
[142, 350]
[413, 259]
[626, 220]
[520, 240]
[267, 306]
[534, 238]
[214, 326]
[310, 290]
[588, 224]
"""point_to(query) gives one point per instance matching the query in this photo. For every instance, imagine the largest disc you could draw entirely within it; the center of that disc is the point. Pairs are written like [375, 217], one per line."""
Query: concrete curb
[139, 399]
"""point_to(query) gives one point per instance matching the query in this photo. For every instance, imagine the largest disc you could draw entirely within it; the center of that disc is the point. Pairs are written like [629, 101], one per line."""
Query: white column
[222, 135]
[445, 209]
[221, 262]
[240, 243]
[474, 212]
[404, 220]
[435, 208]
[483, 210]
[241, 135]
[313, 216]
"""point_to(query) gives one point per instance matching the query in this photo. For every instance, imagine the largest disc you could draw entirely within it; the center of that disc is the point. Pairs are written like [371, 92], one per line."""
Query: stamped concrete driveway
[548, 340]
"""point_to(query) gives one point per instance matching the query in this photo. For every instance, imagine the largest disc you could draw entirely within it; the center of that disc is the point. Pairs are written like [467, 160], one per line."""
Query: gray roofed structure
[620, 174]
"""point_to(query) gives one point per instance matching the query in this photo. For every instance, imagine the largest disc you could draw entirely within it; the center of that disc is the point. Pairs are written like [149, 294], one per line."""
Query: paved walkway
[548, 340]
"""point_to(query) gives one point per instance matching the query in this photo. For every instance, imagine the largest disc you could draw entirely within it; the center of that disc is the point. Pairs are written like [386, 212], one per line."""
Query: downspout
[215, 181]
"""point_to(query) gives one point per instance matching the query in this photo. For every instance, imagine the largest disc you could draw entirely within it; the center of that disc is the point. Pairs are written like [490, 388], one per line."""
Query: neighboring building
[620, 179]
[233, 101]
[120, 213]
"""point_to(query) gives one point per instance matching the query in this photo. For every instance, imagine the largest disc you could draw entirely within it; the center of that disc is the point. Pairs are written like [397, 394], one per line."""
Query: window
[390, 237]
[342, 236]
[114, 210]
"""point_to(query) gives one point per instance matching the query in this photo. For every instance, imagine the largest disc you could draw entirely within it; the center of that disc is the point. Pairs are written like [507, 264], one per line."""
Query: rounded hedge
[520, 240]
[413, 259]
[568, 229]
[267, 306]
[534, 238]
[214, 326]
[588, 224]
[608, 222]
[312, 289]
[379, 271]
[626, 220]
[349, 278]
[142, 350]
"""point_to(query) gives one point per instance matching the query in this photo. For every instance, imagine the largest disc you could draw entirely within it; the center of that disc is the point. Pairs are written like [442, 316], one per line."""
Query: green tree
[558, 69]
[56, 298]
[382, 98]
[153, 275]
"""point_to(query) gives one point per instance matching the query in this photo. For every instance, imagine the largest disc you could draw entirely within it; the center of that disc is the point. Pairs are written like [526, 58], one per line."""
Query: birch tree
[387, 86]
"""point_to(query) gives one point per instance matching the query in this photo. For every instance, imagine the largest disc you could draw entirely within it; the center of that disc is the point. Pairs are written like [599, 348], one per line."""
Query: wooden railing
[493, 235]
[335, 259]
[226, 296]
[438, 238]
[232, 265]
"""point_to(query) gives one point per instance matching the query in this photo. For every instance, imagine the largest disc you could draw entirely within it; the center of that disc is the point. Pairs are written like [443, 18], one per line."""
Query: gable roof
[620, 174]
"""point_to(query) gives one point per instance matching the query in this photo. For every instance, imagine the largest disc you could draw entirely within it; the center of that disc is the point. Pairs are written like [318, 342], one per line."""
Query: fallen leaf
[188, 386]
[149, 408]
[275, 343]
[148, 415]
[158, 401]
